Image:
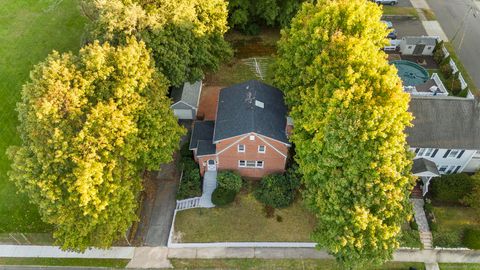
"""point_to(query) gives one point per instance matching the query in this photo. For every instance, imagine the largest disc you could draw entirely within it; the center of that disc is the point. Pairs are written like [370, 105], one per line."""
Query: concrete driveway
[406, 26]
[451, 14]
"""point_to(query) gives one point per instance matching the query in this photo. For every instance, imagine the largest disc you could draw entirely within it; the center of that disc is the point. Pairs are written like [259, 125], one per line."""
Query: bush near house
[438, 55]
[471, 238]
[222, 196]
[278, 190]
[446, 69]
[451, 188]
[190, 185]
[229, 180]
[454, 84]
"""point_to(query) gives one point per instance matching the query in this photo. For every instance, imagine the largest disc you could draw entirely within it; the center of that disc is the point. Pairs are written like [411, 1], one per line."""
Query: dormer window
[241, 148]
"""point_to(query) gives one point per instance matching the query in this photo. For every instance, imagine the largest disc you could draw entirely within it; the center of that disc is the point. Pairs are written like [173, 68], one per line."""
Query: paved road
[450, 14]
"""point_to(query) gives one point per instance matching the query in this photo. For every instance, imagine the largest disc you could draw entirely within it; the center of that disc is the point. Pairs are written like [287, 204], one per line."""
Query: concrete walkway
[209, 185]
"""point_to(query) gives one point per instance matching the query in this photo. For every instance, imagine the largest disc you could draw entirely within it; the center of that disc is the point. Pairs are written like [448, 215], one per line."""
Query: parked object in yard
[389, 24]
[386, 2]
[392, 34]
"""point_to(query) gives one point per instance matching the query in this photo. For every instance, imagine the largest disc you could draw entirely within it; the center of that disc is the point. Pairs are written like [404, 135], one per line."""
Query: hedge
[190, 185]
[278, 190]
[229, 180]
[222, 196]
[451, 188]
[471, 238]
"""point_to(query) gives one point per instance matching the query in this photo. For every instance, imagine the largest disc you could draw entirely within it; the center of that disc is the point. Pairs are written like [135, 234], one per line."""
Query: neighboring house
[249, 134]
[423, 45]
[446, 132]
[186, 99]
[417, 81]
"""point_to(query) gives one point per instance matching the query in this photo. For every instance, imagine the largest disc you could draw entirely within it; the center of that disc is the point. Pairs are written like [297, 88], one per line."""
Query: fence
[455, 69]
[462, 81]
[440, 85]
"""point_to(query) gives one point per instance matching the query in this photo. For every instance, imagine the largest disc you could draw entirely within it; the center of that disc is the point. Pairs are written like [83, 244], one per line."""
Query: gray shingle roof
[202, 131]
[189, 93]
[444, 122]
[240, 111]
[421, 165]
[429, 41]
[206, 147]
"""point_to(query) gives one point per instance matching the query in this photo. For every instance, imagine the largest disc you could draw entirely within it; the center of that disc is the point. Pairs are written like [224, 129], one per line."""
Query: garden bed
[244, 221]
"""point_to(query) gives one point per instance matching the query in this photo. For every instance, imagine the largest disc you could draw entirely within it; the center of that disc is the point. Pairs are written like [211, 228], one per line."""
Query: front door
[419, 49]
[211, 166]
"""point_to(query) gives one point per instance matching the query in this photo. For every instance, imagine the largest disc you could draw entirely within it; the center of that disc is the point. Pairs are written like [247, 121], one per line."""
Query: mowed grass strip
[245, 221]
[304, 264]
[110, 263]
[29, 31]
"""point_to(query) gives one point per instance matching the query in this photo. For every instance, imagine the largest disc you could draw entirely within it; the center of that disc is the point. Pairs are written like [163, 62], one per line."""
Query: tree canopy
[90, 124]
[186, 36]
[248, 14]
[350, 113]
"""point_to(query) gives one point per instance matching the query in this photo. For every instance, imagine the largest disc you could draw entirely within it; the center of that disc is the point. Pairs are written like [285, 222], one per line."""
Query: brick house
[249, 134]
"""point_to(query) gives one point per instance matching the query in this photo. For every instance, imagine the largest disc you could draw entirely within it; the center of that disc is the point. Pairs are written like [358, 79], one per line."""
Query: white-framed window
[420, 152]
[450, 169]
[453, 153]
[261, 149]
[250, 163]
[252, 138]
[428, 152]
[241, 148]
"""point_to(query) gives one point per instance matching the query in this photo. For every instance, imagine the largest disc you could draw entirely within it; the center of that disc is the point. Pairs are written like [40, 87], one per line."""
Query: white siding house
[446, 133]
[423, 45]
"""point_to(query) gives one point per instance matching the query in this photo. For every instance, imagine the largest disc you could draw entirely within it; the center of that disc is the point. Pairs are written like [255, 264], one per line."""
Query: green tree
[186, 36]
[243, 14]
[350, 114]
[90, 124]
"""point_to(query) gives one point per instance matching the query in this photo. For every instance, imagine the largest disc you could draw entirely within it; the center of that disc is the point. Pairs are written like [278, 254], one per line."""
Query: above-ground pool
[411, 73]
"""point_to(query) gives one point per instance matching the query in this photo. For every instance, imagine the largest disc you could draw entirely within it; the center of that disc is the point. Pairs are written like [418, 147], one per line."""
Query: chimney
[289, 126]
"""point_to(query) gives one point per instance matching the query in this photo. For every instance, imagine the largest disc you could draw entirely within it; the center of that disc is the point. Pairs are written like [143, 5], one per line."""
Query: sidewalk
[24, 251]
[433, 28]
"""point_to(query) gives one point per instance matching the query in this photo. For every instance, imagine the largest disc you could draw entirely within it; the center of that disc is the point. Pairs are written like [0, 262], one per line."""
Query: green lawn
[451, 222]
[244, 220]
[29, 30]
[110, 263]
[400, 11]
[280, 264]
[459, 266]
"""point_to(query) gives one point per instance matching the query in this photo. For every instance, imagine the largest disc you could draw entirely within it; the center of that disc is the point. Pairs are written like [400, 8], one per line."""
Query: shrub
[277, 190]
[454, 85]
[446, 70]
[190, 185]
[451, 188]
[413, 225]
[471, 238]
[185, 151]
[222, 197]
[472, 199]
[438, 55]
[229, 180]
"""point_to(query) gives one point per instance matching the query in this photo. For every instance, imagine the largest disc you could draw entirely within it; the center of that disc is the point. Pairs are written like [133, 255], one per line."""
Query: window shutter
[446, 153]
[456, 169]
[435, 152]
[461, 153]
[416, 150]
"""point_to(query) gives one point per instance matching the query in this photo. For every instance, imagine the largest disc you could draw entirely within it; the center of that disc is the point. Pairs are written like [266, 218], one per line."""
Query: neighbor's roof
[444, 122]
[189, 93]
[421, 165]
[251, 106]
[429, 41]
[202, 131]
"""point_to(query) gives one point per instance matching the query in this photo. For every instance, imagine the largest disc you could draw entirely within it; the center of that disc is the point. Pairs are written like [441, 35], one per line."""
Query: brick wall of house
[273, 160]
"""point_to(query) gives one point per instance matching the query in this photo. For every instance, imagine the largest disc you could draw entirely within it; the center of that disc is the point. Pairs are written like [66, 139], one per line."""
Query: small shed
[186, 99]
[423, 45]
